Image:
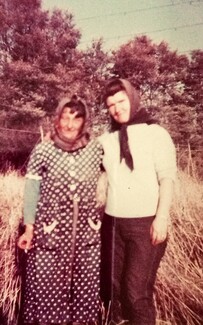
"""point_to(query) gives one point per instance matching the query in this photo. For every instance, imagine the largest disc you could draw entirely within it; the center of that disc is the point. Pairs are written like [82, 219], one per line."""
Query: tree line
[40, 62]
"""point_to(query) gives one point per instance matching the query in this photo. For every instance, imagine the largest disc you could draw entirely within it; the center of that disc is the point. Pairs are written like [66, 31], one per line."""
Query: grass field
[179, 285]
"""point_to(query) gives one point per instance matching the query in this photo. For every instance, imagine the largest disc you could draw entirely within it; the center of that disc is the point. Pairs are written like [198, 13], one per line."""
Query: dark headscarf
[83, 137]
[138, 115]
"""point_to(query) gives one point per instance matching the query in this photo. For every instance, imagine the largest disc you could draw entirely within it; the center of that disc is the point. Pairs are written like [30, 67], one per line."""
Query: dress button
[72, 187]
[72, 160]
[72, 173]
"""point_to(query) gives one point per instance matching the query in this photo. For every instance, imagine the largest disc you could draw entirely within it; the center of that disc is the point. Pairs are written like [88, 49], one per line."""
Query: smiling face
[119, 106]
[70, 124]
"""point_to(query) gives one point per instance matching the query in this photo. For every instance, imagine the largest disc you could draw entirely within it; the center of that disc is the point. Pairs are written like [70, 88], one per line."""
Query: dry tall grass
[11, 189]
[179, 286]
[179, 294]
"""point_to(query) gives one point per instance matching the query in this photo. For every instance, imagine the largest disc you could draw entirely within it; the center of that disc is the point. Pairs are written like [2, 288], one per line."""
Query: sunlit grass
[179, 289]
[11, 190]
[179, 286]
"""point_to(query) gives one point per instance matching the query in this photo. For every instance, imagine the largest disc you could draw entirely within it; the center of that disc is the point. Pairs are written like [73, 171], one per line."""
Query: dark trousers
[129, 267]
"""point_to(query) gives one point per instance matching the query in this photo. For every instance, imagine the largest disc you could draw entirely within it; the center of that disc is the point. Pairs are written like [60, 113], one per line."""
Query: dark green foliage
[170, 84]
[35, 47]
[40, 62]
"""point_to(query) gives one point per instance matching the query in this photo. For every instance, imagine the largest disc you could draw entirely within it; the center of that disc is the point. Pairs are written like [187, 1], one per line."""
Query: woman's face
[119, 106]
[70, 124]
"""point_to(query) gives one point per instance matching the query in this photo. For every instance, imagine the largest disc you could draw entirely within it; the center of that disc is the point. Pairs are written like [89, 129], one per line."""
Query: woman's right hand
[25, 240]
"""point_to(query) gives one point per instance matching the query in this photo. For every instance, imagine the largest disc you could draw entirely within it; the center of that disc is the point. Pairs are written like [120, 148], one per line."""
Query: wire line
[146, 32]
[124, 13]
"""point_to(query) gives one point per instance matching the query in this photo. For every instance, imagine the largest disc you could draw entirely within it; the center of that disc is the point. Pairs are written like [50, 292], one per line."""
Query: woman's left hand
[25, 240]
[158, 230]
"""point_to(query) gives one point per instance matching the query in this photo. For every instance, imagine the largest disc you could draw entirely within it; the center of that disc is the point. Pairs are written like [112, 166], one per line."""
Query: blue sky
[178, 22]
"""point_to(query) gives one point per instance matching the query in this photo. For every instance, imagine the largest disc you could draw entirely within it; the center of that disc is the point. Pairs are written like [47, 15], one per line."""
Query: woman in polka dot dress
[62, 222]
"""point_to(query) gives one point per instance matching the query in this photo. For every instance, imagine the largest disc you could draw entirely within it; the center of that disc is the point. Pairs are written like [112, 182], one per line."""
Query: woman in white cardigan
[140, 161]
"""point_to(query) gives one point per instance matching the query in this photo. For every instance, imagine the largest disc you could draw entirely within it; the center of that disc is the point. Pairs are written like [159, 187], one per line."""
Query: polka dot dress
[62, 275]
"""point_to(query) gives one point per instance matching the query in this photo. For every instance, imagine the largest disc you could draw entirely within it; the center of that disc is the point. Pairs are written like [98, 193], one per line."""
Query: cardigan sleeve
[32, 184]
[31, 197]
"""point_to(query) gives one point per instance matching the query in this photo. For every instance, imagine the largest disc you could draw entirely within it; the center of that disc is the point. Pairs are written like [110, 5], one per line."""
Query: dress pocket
[47, 235]
[93, 232]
